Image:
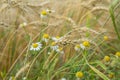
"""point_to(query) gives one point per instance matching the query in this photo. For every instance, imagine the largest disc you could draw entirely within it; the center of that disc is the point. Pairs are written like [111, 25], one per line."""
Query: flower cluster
[56, 48]
[44, 13]
[37, 46]
[83, 45]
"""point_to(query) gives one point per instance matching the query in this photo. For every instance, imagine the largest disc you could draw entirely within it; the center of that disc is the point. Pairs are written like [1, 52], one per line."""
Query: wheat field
[59, 40]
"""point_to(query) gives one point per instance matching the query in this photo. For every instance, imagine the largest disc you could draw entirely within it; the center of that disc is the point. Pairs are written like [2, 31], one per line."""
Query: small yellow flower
[106, 58]
[46, 36]
[36, 46]
[44, 13]
[111, 75]
[86, 44]
[117, 54]
[53, 44]
[105, 38]
[57, 37]
[79, 74]
[60, 50]
[77, 47]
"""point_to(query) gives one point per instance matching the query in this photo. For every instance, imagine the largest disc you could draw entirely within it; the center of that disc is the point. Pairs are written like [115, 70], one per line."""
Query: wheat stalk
[23, 69]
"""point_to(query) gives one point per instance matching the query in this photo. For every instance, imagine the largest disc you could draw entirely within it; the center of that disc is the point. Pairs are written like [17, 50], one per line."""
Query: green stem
[113, 20]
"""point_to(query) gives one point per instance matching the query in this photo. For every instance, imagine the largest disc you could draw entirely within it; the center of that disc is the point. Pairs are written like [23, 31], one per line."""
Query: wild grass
[94, 24]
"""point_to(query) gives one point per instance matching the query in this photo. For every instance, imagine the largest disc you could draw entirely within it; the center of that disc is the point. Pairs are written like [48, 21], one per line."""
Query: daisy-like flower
[77, 47]
[36, 46]
[106, 58]
[43, 14]
[117, 54]
[60, 50]
[46, 37]
[79, 74]
[55, 38]
[23, 24]
[54, 46]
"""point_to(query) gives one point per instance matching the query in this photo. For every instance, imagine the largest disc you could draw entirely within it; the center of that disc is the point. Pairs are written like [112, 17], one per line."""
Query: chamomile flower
[54, 46]
[60, 50]
[46, 37]
[36, 46]
[117, 54]
[79, 74]
[84, 45]
[77, 47]
[23, 24]
[43, 14]
[106, 58]
[55, 38]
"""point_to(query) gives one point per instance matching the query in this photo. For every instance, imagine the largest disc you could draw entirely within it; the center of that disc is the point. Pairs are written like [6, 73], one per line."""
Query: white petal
[82, 46]
[43, 16]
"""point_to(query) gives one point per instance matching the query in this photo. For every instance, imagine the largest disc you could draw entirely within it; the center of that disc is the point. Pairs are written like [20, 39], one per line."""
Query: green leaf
[101, 64]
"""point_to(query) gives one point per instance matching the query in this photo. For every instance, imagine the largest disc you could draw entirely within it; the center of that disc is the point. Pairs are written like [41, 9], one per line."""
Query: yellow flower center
[79, 74]
[86, 44]
[105, 38]
[111, 75]
[117, 54]
[35, 45]
[53, 44]
[46, 36]
[57, 37]
[106, 58]
[77, 46]
[44, 13]
[60, 49]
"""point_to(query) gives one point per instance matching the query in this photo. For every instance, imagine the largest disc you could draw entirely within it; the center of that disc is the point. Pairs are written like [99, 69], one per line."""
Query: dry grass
[74, 21]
